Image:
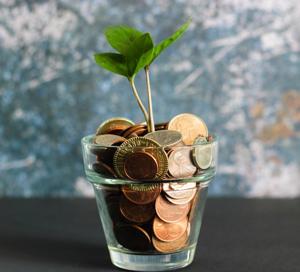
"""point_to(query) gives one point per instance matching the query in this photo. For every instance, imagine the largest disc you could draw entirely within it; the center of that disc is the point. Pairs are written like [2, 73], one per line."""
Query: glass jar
[152, 225]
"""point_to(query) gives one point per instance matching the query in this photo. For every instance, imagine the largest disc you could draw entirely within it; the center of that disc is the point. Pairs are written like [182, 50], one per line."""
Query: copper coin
[103, 169]
[180, 163]
[138, 144]
[136, 213]
[161, 126]
[140, 165]
[167, 247]
[132, 129]
[117, 124]
[138, 132]
[180, 193]
[133, 237]
[169, 212]
[189, 125]
[169, 232]
[141, 193]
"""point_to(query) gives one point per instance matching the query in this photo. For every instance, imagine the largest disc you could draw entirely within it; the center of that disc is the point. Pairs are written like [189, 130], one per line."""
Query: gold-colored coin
[141, 194]
[189, 125]
[168, 247]
[137, 144]
[116, 125]
[165, 138]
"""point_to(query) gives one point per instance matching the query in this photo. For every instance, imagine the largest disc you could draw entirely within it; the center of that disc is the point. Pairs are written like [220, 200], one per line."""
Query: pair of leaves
[136, 50]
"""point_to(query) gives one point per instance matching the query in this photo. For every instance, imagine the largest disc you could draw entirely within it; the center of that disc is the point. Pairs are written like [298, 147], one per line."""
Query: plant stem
[138, 99]
[150, 111]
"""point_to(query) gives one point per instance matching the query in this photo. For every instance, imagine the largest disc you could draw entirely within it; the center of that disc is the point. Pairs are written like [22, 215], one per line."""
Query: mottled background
[238, 67]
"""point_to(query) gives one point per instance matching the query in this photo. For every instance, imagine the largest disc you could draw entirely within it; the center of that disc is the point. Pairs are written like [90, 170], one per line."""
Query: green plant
[136, 51]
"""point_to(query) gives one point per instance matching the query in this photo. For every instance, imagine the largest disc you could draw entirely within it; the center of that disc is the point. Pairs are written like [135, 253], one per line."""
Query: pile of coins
[178, 149]
[153, 217]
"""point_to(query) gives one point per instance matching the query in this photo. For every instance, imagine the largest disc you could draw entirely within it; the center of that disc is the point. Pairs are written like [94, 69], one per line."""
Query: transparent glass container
[151, 225]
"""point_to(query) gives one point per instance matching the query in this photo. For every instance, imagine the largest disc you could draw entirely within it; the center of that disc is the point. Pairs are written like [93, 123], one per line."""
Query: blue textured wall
[238, 67]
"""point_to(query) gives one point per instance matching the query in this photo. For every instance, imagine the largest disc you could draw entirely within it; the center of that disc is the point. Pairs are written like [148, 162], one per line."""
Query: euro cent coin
[189, 125]
[140, 165]
[168, 247]
[169, 232]
[133, 237]
[136, 213]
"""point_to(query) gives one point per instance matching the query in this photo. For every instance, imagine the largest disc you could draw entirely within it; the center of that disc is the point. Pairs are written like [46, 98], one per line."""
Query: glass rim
[87, 141]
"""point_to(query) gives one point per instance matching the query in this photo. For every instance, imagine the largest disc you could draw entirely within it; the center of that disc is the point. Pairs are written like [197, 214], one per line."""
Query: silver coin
[108, 139]
[179, 194]
[182, 185]
[182, 201]
[165, 138]
[202, 153]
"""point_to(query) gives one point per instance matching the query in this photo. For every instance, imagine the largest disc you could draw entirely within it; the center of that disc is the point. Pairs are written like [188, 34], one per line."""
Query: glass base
[158, 262]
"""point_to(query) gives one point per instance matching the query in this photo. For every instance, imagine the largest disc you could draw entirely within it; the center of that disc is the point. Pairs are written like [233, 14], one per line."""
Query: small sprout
[136, 51]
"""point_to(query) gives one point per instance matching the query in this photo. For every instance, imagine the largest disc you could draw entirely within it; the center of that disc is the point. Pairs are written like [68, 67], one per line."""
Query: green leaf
[144, 60]
[139, 53]
[158, 49]
[120, 37]
[113, 62]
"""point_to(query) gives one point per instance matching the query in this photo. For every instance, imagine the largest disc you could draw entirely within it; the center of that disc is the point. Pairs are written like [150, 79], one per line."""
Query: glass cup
[152, 225]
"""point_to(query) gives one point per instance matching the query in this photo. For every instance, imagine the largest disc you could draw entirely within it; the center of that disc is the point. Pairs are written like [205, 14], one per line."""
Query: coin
[202, 154]
[169, 232]
[138, 132]
[108, 139]
[133, 237]
[165, 138]
[141, 193]
[103, 169]
[180, 163]
[140, 165]
[116, 125]
[136, 213]
[189, 125]
[161, 126]
[130, 130]
[182, 193]
[168, 247]
[181, 185]
[136, 144]
[169, 212]
[182, 201]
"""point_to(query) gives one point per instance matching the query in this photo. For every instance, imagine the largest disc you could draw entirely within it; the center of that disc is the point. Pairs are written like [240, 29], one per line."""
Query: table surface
[65, 235]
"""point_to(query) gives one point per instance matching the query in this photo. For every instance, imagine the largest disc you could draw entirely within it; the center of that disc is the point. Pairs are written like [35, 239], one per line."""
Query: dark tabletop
[66, 235]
